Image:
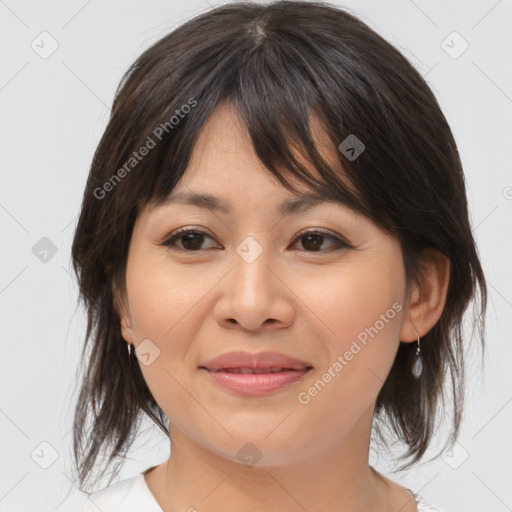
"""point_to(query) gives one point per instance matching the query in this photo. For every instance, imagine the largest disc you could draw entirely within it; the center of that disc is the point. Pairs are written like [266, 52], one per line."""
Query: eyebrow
[291, 206]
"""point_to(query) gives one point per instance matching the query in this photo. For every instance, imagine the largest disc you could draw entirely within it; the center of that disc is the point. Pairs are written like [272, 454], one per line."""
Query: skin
[199, 304]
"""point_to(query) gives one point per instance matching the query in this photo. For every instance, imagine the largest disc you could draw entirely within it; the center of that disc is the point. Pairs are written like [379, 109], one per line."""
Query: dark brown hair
[277, 64]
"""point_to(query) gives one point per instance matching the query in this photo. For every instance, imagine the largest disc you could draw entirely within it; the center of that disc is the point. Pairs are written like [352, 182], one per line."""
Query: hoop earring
[417, 367]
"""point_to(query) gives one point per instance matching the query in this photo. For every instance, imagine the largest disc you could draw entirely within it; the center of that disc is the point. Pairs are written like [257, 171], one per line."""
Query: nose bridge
[252, 273]
[254, 298]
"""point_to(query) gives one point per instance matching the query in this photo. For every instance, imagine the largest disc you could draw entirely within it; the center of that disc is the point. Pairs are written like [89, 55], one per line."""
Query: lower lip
[255, 384]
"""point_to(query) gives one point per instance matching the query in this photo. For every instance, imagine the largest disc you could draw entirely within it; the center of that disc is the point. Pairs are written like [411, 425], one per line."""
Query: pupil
[192, 237]
[317, 238]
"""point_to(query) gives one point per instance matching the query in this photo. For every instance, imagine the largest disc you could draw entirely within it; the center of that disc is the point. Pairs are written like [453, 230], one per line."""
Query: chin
[261, 445]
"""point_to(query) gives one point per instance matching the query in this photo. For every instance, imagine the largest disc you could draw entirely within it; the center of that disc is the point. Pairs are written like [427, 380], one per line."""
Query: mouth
[247, 374]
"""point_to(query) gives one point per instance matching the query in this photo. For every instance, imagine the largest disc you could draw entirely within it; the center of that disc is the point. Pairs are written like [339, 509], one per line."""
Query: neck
[330, 476]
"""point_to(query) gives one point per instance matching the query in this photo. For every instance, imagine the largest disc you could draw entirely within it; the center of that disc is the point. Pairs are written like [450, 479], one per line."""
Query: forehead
[226, 129]
[224, 151]
[224, 171]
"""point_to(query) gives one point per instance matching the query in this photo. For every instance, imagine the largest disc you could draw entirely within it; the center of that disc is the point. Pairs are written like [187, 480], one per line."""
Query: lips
[262, 362]
[252, 375]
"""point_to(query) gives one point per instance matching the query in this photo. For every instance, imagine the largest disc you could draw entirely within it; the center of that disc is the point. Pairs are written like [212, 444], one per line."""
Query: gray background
[53, 112]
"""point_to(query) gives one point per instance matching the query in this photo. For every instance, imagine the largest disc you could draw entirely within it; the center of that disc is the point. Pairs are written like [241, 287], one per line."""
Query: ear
[426, 301]
[122, 307]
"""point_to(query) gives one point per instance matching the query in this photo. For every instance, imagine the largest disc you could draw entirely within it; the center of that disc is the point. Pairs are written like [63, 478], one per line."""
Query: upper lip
[260, 360]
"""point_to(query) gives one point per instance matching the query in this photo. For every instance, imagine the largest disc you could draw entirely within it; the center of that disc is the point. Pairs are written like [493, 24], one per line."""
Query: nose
[254, 297]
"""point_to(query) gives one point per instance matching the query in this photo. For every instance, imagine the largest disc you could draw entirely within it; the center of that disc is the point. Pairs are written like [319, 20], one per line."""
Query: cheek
[360, 310]
[166, 309]
[163, 297]
[350, 300]
[162, 313]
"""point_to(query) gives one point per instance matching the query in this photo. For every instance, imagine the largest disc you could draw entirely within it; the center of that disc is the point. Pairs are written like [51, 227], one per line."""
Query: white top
[133, 495]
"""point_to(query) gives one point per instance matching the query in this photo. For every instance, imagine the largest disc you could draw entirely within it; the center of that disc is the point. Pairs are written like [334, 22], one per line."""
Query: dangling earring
[417, 366]
[129, 350]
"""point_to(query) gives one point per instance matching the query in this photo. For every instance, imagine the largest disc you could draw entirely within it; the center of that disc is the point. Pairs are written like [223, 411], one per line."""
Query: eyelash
[339, 244]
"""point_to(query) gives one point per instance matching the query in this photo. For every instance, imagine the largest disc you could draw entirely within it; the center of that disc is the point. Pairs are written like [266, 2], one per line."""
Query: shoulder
[129, 495]
[398, 490]
[422, 504]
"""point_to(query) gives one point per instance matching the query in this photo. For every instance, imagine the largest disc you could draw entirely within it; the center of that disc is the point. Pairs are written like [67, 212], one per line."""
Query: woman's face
[249, 283]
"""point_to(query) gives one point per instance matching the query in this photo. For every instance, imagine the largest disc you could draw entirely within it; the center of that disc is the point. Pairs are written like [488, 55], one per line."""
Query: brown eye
[312, 241]
[190, 240]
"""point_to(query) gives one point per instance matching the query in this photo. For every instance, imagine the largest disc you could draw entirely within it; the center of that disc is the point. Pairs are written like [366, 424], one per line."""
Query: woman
[275, 225]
